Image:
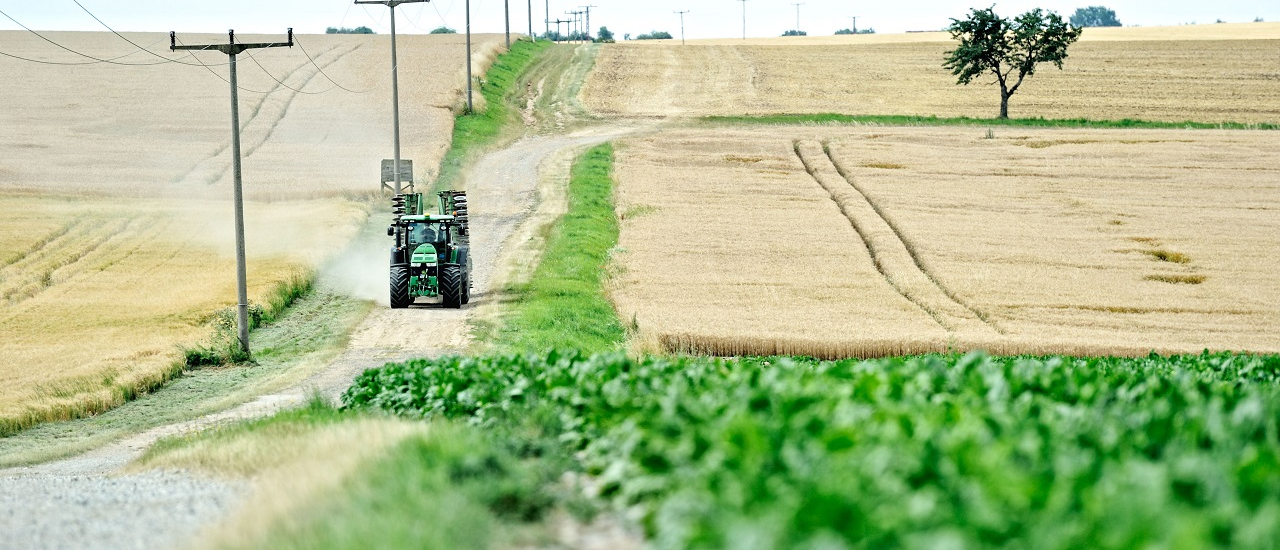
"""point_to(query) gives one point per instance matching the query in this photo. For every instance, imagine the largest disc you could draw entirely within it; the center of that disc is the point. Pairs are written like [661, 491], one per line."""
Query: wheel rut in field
[272, 109]
[891, 253]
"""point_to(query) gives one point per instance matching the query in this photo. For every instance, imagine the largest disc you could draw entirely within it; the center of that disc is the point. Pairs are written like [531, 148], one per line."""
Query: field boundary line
[909, 244]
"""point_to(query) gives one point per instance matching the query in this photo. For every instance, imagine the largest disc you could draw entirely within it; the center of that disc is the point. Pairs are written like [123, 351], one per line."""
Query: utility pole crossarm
[391, 3]
[230, 48]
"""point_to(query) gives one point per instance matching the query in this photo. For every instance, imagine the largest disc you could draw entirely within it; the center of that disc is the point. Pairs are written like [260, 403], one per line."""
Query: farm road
[87, 502]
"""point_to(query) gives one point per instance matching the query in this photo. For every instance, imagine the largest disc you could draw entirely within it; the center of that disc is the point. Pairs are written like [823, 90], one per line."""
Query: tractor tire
[400, 298]
[451, 286]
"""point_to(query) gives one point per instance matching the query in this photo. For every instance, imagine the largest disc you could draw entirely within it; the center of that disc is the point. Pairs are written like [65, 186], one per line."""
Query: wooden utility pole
[395, 79]
[471, 106]
[573, 25]
[232, 49]
[532, 36]
[744, 19]
[560, 36]
[681, 13]
[506, 5]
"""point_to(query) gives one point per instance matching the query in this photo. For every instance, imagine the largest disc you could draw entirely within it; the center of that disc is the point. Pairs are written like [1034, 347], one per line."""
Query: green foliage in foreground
[564, 304]
[927, 452]
[910, 120]
[473, 132]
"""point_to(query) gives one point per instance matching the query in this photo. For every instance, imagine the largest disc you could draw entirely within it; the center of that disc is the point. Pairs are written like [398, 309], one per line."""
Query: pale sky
[707, 19]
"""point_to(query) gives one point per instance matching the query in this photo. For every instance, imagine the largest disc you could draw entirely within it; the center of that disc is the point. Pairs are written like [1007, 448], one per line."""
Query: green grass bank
[564, 305]
[473, 133]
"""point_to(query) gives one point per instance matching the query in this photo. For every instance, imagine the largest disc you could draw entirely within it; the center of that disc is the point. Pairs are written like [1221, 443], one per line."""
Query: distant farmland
[888, 241]
[1202, 73]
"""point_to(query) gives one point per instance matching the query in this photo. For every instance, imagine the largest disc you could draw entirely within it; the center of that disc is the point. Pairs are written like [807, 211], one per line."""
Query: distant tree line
[443, 30]
[345, 30]
[655, 35]
[1095, 16]
[795, 33]
[859, 31]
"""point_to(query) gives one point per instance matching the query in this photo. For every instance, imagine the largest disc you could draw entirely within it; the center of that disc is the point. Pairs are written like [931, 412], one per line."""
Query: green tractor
[432, 254]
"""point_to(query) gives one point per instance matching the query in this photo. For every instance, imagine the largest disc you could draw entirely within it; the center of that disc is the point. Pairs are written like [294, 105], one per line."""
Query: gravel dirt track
[87, 502]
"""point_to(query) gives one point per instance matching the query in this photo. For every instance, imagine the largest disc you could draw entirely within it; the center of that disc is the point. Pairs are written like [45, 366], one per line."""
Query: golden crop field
[1201, 73]
[97, 295]
[116, 245]
[884, 241]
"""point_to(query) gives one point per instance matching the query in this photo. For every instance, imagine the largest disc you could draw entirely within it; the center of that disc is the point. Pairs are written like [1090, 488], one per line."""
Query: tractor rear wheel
[451, 286]
[400, 298]
[466, 287]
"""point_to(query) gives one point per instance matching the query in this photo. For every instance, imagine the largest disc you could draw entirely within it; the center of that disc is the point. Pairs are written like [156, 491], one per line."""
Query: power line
[95, 61]
[281, 82]
[122, 37]
[326, 75]
[222, 78]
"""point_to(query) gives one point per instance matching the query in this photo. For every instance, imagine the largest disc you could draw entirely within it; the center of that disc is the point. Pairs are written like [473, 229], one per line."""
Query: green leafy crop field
[937, 451]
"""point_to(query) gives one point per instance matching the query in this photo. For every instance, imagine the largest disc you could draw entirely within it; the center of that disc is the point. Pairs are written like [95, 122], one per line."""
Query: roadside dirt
[84, 502]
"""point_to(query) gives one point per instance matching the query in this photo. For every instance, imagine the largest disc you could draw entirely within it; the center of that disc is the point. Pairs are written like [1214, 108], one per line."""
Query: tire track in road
[890, 253]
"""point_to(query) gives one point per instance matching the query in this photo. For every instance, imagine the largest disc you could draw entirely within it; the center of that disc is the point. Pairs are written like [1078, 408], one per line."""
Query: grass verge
[905, 120]
[563, 304]
[473, 133]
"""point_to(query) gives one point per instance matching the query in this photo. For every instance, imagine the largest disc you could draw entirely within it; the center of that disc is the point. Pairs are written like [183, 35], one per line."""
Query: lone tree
[1095, 16]
[989, 43]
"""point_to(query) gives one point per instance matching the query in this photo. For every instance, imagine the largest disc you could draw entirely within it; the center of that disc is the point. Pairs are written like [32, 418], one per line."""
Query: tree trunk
[1004, 104]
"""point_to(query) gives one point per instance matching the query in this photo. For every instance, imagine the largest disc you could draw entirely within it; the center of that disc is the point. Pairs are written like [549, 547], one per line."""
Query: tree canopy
[655, 35]
[1095, 16]
[443, 30]
[605, 34]
[1007, 49]
[345, 30]
[795, 33]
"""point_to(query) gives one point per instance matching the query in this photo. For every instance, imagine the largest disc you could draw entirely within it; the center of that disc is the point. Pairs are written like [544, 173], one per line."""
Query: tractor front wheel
[451, 286]
[400, 298]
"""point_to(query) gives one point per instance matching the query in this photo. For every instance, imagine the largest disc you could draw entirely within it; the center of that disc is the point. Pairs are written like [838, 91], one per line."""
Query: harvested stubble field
[1166, 74]
[162, 130]
[115, 240]
[835, 242]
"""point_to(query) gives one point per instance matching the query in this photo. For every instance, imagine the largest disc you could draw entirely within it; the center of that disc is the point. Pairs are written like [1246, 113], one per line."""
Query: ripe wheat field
[1200, 73]
[116, 246]
[832, 242]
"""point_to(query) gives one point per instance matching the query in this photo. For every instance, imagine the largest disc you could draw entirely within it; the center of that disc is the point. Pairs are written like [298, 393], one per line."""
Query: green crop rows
[929, 452]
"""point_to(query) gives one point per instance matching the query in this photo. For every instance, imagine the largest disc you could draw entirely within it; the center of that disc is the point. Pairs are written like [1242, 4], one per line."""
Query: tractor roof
[428, 218]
